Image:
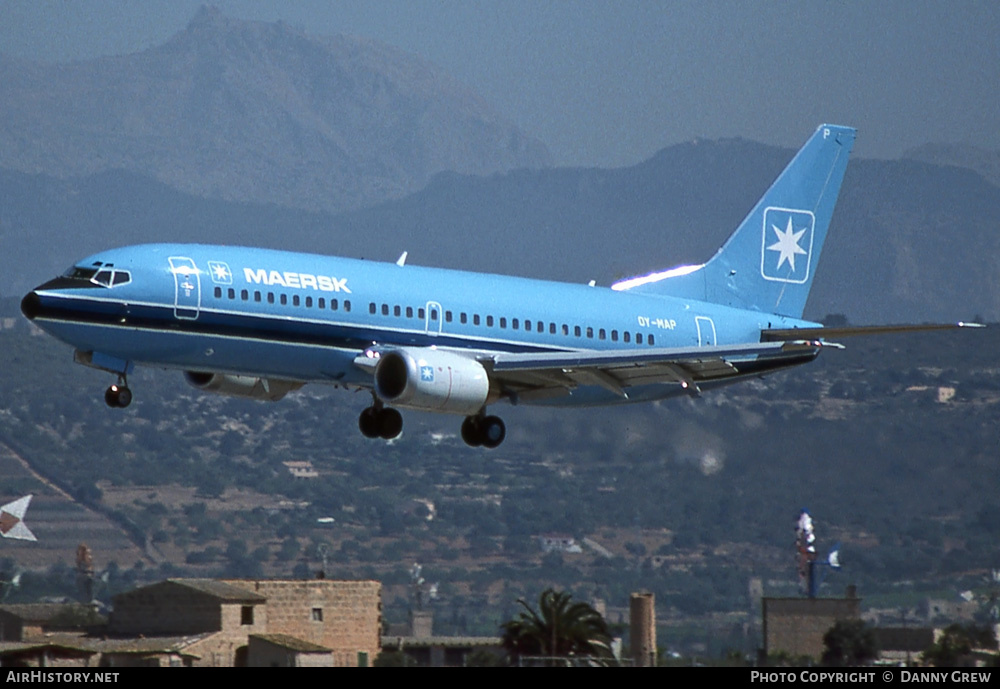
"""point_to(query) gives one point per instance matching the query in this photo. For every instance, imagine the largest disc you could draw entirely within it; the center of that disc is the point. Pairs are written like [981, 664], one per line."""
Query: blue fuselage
[303, 317]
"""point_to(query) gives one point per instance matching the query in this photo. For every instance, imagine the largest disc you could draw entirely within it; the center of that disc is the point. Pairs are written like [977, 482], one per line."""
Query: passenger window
[321, 303]
[256, 295]
[347, 305]
[650, 339]
[489, 321]
[503, 322]
[590, 332]
[514, 323]
[284, 300]
[385, 309]
[397, 311]
[309, 302]
[527, 325]
[614, 335]
[552, 328]
[576, 330]
[628, 336]
[638, 338]
[447, 316]
[333, 304]
[463, 318]
[420, 313]
[475, 319]
[372, 309]
[270, 297]
[244, 295]
[601, 334]
[218, 292]
[409, 312]
[565, 329]
[295, 300]
[541, 327]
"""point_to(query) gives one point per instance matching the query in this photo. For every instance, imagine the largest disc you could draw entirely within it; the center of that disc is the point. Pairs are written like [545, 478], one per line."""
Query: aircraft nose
[30, 305]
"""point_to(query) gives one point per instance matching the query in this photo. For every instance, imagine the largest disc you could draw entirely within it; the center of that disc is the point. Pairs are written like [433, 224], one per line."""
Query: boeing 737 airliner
[260, 323]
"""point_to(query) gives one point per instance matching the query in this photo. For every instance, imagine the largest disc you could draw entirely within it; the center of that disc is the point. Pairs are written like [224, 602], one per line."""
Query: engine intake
[241, 386]
[432, 380]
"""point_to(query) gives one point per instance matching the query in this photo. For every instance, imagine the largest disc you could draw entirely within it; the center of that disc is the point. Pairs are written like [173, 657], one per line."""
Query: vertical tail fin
[768, 263]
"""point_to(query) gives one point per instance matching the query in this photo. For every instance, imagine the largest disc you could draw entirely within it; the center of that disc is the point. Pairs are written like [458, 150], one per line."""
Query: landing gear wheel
[470, 431]
[118, 396]
[492, 431]
[368, 422]
[380, 423]
[390, 424]
[485, 431]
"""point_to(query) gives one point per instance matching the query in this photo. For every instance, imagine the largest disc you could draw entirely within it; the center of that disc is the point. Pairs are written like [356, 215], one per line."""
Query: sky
[608, 84]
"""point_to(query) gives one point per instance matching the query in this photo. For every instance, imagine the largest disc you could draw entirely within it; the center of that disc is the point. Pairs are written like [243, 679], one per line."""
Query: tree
[849, 642]
[957, 641]
[560, 628]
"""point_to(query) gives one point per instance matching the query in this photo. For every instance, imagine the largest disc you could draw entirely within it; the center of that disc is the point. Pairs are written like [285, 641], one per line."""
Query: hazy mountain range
[243, 132]
[252, 111]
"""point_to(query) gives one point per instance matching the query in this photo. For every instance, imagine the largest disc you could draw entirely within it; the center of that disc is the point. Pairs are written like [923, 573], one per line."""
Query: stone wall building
[318, 622]
[344, 616]
[795, 626]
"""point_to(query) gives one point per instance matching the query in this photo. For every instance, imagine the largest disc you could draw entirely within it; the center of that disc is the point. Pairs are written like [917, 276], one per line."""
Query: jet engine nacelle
[432, 380]
[241, 386]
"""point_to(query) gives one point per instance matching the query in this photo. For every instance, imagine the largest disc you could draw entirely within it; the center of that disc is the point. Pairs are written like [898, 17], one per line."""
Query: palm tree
[559, 629]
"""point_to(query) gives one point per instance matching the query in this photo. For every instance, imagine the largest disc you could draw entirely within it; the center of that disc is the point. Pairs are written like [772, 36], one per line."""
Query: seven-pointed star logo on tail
[787, 244]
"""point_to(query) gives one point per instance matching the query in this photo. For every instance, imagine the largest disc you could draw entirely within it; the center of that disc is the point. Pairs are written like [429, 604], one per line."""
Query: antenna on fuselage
[401, 261]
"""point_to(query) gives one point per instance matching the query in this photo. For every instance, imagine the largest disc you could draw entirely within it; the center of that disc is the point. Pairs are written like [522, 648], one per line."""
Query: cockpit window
[80, 273]
[99, 273]
[110, 277]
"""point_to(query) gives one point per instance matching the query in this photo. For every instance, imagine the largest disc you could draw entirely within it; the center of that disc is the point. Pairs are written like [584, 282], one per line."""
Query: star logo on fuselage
[221, 275]
[786, 244]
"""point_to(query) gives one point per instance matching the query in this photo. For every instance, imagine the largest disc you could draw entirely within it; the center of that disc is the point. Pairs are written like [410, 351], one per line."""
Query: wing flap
[548, 374]
[629, 357]
[784, 334]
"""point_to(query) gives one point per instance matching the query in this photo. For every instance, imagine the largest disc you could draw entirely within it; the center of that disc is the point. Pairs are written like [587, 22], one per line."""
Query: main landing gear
[488, 431]
[118, 395]
[380, 422]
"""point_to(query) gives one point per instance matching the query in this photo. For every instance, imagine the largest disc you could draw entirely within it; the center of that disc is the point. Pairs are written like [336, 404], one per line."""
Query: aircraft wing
[780, 334]
[551, 374]
[11, 516]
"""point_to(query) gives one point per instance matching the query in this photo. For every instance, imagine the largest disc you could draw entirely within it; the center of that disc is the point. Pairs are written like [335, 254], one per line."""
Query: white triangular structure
[11, 516]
